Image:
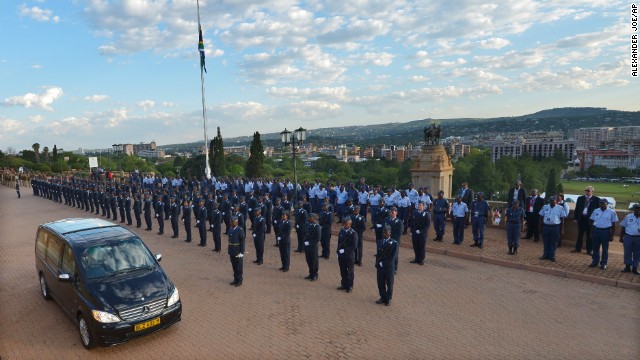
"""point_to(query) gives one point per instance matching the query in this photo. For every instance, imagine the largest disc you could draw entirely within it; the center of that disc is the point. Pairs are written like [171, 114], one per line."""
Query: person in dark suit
[160, 214]
[121, 208]
[385, 258]
[259, 229]
[186, 218]
[517, 193]
[147, 211]
[347, 245]
[137, 209]
[311, 241]
[236, 250]
[466, 194]
[326, 220]
[217, 228]
[127, 208]
[585, 205]
[174, 214]
[359, 224]
[284, 241]
[533, 205]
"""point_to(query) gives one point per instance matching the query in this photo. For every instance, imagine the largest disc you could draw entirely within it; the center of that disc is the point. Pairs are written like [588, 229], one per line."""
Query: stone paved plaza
[452, 308]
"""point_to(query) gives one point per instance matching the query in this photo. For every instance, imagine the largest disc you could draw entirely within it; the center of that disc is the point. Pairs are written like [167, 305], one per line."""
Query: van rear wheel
[85, 333]
[44, 289]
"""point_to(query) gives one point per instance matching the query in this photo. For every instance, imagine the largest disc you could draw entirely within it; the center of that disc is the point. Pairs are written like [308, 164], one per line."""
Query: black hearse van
[106, 279]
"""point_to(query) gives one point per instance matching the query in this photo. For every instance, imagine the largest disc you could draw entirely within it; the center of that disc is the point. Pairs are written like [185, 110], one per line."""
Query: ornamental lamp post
[299, 135]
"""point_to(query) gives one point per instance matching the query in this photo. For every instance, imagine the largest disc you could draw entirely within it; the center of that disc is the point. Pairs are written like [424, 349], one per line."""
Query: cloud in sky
[39, 14]
[96, 98]
[41, 101]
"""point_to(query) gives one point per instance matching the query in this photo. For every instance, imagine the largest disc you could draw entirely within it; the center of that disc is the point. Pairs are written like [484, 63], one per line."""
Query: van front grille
[143, 311]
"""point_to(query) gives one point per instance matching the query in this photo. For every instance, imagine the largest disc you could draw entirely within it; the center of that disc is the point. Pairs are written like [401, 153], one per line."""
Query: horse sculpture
[432, 134]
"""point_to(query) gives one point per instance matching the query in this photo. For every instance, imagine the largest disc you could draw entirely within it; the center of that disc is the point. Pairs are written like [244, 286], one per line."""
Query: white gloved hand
[279, 238]
[254, 235]
[240, 256]
[378, 225]
[306, 243]
[297, 227]
[341, 251]
[169, 216]
[417, 231]
[197, 222]
[380, 263]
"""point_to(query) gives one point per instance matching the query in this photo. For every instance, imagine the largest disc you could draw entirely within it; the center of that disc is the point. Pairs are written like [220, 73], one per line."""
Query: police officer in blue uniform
[201, 222]
[603, 221]
[217, 228]
[160, 214]
[420, 222]
[630, 239]
[380, 218]
[459, 211]
[359, 224]
[514, 225]
[137, 209]
[311, 240]
[347, 245]
[301, 217]
[236, 250]
[326, 220]
[284, 241]
[147, 211]
[396, 226]
[385, 257]
[480, 212]
[440, 211]
[174, 214]
[550, 225]
[259, 229]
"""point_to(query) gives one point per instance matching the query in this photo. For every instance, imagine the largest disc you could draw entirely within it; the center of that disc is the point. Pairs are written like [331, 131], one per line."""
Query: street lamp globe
[286, 136]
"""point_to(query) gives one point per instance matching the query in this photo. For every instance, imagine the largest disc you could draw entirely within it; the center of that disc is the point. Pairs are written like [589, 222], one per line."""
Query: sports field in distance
[623, 193]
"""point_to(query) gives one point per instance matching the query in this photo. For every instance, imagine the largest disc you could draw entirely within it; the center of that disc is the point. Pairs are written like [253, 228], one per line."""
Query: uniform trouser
[403, 214]
[631, 246]
[147, 220]
[114, 213]
[217, 237]
[325, 240]
[236, 265]
[374, 213]
[18, 191]
[174, 226]
[187, 229]
[285, 253]
[600, 237]
[128, 214]
[550, 235]
[385, 283]
[167, 210]
[311, 255]
[360, 247]
[395, 261]
[136, 214]
[477, 227]
[532, 226]
[108, 208]
[121, 215]
[202, 230]
[439, 224]
[458, 229]
[300, 234]
[340, 209]
[363, 211]
[347, 273]
[419, 244]
[267, 220]
[378, 231]
[91, 205]
[258, 242]
[584, 229]
[513, 234]
[97, 206]
[314, 203]
[227, 224]
[160, 224]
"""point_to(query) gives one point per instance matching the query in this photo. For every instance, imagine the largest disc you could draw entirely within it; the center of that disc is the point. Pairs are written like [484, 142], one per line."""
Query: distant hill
[560, 119]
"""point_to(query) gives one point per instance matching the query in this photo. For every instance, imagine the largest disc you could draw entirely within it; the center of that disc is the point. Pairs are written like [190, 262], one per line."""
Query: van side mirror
[64, 277]
[158, 257]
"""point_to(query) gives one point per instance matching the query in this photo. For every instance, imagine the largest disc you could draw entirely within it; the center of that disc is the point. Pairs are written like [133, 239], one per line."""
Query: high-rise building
[539, 148]
[606, 137]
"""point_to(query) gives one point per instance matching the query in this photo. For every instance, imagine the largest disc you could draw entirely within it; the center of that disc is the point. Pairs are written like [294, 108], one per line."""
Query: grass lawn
[623, 193]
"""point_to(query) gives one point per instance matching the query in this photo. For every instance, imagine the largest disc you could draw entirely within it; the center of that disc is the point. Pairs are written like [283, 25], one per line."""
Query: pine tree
[55, 153]
[255, 164]
[216, 156]
[552, 182]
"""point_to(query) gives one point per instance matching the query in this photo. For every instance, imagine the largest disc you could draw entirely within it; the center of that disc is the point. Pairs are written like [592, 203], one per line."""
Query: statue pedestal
[433, 169]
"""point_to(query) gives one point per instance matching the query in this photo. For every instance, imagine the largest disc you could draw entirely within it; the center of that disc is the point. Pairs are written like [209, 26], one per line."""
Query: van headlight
[105, 317]
[174, 298]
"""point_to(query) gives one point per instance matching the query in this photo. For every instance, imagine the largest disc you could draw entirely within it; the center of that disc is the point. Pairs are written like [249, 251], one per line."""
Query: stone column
[433, 169]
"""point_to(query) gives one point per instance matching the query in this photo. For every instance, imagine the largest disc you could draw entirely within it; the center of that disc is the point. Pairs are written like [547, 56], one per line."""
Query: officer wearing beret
[174, 214]
[311, 240]
[236, 250]
[440, 210]
[302, 217]
[359, 224]
[480, 211]
[514, 225]
[201, 222]
[147, 211]
[127, 208]
[385, 258]
[259, 229]
[186, 218]
[217, 228]
[137, 209]
[420, 222]
[284, 241]
[347, 245]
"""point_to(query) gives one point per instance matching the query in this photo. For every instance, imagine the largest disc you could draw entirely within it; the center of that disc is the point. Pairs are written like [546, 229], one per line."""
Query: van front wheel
[85, 332]
[44, 290]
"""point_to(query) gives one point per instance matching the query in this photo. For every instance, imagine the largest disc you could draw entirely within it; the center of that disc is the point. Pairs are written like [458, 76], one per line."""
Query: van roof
[80, 230]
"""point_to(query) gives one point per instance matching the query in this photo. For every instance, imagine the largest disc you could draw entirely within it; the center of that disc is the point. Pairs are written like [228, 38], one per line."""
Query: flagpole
[207, 169]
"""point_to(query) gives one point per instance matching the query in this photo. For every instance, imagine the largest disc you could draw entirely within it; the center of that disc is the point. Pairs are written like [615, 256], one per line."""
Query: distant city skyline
[88, 73]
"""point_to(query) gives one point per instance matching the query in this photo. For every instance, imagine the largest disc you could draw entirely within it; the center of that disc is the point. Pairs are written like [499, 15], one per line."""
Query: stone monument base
[433, 169]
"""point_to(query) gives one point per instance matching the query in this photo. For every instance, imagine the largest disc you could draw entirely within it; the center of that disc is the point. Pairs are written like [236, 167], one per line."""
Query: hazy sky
[90, 73]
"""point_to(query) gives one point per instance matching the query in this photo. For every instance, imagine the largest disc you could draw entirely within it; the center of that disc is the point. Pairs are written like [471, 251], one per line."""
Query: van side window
[41, 243]
[54, 248]
[68, 261]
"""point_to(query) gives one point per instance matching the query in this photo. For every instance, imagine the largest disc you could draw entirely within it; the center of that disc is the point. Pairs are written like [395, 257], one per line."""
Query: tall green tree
[552, 183]
[45, 153]
[55, 153]
[255, 164]
[216, 156]
[36, 150]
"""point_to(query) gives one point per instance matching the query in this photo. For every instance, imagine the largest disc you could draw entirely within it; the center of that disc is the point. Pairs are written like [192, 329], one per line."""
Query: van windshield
[111, 258]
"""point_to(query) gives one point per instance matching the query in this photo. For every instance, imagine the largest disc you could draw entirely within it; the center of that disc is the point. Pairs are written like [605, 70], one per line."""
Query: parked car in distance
[105, 279]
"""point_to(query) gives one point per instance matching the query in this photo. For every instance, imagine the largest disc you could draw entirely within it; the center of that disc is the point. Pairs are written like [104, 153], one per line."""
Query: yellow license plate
[146, 325]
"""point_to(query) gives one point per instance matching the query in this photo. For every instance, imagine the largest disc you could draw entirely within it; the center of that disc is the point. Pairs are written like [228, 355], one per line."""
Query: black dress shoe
[603, 267]
[149, 229]
[592, 265]
[174, 237]
[359, 263]
[543, 258]
[626, 269]
[552, 259]
[380, 301]
[160, 233]
[314, 278]
[285, 270]
[202, 245]
[308, 277]
[233, 283]
[387, 303]
[481, 246]
[575, 251]
[342, 288]
[349, 290]
[414, 261]
[187, 241]
[421, 263]
[474, 245]
[238, 283]
[589, 253]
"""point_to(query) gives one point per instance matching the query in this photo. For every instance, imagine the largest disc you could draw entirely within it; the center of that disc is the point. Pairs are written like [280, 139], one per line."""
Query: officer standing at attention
[396, 227]
[201, 222]
[515, 225]
[160, 214]
[137, 209]
[174, 214]
[347, 245]
[236, 250]
[284, 241]
[311, 240]
[302, 217]
[604, 222]
[147, 211]
[258, 235]
[630, 238]
[420, 222]
[186, 218]
[551, 218]
[480, 212]
[18, 189]
[359, 224]
[385, 257]
[440, 211]
[127, 208]
[459, 211]
[326, 220]
[217, 228]
[380, 218]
